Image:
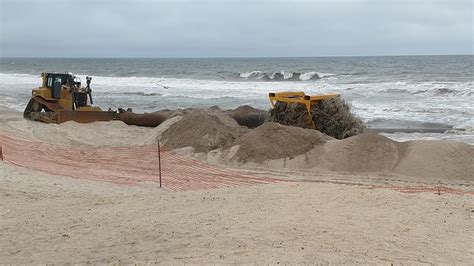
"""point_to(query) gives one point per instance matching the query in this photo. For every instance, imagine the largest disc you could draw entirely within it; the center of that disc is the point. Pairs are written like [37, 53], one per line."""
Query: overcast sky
[139, 28]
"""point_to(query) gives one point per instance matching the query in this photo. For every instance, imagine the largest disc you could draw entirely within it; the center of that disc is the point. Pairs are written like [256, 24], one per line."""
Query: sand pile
[373, 153]
[332, 117]
[248, 116]
[152, 136]
[367, 152]
[113, 133]
[202, 129]
[438, 159]
[275, 141]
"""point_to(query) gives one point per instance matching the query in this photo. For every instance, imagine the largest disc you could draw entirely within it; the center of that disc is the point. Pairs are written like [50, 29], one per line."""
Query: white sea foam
[326, 75]
[287, 76]
[449, 102]
[308, 76]
[19, 79]
[250, 74]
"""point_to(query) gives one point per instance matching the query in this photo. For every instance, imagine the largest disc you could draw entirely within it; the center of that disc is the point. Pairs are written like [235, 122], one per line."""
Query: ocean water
[390, 92]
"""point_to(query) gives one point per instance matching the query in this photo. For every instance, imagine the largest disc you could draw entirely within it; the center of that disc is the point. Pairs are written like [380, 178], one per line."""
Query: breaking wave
[419, 89]
[283, 76]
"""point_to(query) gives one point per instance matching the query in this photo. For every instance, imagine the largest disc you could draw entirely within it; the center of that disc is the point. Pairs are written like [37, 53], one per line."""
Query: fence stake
[159, 161]
[1, 153]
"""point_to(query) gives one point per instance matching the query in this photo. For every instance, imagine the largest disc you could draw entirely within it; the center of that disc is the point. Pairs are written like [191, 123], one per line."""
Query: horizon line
[217, 57]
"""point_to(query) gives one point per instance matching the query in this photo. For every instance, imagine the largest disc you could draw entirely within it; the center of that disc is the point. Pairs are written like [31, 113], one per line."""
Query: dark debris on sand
[332, 117]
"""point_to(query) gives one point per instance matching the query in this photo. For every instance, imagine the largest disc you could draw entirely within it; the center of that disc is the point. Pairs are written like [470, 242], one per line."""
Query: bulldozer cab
[55, 82]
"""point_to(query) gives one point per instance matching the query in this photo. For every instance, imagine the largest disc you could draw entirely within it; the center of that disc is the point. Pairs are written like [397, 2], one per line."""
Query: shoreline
[411, 130]
[437, 128]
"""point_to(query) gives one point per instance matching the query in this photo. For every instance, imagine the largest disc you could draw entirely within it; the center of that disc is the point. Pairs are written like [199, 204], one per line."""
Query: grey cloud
[234, 28]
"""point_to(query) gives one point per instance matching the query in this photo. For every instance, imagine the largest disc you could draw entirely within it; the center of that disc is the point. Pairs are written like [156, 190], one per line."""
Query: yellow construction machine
[301, 98]
[62, 98]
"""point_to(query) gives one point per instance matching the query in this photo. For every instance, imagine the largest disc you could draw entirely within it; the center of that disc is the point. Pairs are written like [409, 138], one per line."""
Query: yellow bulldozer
[62, 98]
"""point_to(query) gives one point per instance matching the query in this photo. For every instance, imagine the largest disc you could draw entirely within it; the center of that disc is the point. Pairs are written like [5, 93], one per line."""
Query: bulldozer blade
[85, 116]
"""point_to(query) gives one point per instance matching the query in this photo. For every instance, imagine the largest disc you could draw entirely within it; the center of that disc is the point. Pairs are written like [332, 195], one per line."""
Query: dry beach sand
[340, 206]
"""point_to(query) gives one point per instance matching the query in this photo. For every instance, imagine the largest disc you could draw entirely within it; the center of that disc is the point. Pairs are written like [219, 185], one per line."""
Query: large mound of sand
[204, 130]
[438, 159]
[275, 141]
[367, 152]
[373, 153]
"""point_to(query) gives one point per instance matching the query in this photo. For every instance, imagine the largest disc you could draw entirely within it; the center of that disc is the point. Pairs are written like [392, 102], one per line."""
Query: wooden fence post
[159, 161]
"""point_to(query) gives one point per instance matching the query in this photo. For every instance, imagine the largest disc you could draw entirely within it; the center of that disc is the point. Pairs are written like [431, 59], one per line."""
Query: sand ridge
[204, 130]
[275, 141]
[367, 152]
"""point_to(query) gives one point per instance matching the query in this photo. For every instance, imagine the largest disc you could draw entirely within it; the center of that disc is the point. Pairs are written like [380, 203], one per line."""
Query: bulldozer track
[52, 106]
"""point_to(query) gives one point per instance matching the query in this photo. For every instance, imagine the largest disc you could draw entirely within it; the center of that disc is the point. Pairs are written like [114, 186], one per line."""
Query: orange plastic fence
[123, 165]
[132, 165]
